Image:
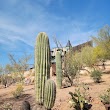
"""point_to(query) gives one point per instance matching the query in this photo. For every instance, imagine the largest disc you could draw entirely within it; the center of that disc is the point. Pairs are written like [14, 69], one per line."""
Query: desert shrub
[72, 65]
[18, 91]
[7, 106]
[80, 98]
[0, 79]
[96, 75]
[4, 80]
[9, 80]
[105, 97]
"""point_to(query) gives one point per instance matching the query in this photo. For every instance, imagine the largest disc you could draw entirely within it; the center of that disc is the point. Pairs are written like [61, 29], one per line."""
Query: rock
[83, 72]
[33, 72]
[25, 106]
[26, 74]
[27, 81]
[32, 78]
[65, 83]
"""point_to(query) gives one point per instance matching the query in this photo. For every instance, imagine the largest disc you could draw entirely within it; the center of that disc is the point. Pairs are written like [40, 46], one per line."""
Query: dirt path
[62, 97]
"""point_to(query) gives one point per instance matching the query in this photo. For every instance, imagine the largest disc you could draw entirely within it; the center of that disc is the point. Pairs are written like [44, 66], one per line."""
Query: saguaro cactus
[58, 69]
[42, 65]
[50, 94]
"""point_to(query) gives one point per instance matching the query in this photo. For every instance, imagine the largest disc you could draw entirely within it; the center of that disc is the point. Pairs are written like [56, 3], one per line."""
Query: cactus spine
[58, 69]
[50, 94]
[42, 65]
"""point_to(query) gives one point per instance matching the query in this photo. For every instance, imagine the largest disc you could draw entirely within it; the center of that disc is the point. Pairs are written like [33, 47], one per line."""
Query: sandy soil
[62, 99]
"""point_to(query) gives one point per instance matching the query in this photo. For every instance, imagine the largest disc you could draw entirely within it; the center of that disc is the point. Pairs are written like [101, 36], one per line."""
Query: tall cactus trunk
[58, 70]
[42, 65]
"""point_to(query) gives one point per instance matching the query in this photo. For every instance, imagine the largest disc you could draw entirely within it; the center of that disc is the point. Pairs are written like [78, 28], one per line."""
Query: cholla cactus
[81, 99]
[42, 65]
[58, 69]
[50, 94]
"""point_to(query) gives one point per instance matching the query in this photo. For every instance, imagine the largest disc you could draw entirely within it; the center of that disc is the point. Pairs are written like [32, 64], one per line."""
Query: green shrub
[18, 91]
[105, 97]
[4, 80]
[96, 75]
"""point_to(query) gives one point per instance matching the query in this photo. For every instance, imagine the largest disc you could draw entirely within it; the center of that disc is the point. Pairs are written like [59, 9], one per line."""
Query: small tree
[1, 69]
[8, 68]
[88, 57]
[18, 66]
[102, 42]
[71, 66]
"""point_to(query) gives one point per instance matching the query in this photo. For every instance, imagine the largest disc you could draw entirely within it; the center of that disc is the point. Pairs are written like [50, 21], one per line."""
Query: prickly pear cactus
[50, 94]
[42, 65]
[58, 69]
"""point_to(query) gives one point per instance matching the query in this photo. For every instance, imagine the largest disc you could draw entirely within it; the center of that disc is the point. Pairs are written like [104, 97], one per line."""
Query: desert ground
[62, 96]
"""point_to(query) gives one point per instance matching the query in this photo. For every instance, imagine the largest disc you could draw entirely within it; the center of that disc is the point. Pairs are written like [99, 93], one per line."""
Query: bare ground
[62, 98]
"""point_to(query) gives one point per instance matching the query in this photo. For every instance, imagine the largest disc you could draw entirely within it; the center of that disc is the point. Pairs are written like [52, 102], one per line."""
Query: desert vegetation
[69, 89]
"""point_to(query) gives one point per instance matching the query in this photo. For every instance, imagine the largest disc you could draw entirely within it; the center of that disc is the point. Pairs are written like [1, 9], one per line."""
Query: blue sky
[22, 20]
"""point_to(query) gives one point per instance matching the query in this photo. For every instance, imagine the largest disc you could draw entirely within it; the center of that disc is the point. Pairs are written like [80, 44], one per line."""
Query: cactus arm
[50, 94]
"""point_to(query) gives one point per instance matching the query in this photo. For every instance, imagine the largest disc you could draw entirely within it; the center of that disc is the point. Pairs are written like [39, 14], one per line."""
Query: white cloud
[36, 19]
